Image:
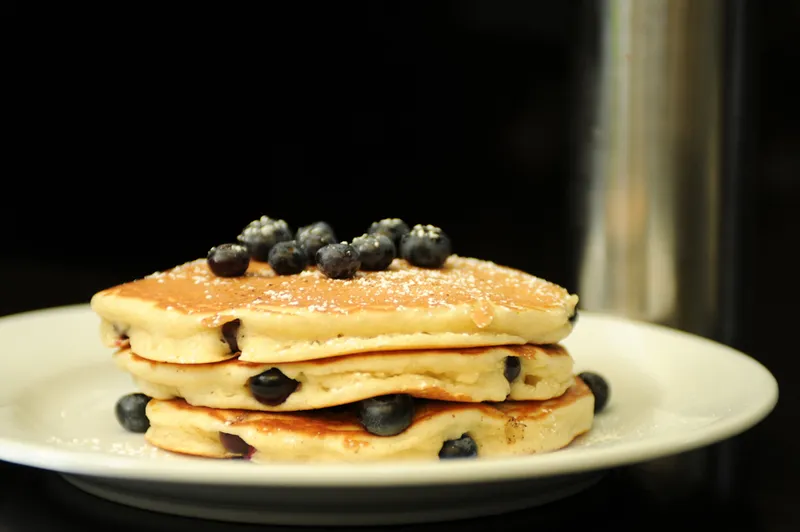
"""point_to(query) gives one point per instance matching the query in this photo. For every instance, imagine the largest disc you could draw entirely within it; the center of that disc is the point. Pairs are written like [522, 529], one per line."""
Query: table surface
[723, 485]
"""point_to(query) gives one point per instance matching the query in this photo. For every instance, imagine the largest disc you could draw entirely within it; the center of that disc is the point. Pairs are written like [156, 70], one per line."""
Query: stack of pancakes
[302, 367]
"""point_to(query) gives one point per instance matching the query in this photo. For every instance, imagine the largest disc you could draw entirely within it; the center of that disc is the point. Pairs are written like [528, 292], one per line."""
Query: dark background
[140, 135]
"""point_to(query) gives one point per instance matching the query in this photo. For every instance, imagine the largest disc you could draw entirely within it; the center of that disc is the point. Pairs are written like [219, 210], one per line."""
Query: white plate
[671, 392]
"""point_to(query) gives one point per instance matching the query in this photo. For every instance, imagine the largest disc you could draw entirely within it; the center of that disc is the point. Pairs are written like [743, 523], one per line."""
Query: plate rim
[76, 462]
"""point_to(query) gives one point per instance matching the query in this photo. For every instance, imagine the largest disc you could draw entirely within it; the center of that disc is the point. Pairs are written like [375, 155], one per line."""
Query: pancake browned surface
[178, 316]
[463, 375]
[510, 428]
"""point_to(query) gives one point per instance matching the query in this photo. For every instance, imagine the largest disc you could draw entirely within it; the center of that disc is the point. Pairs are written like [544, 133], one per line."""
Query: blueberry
[287, 258]
[386, 415]
[512, 369]
[228, 260]
[234, 444]
[463, 447]
[260, 235]
[315, 236]
[121, 331]
[130, 411]
[599, 387]
[272, 387]
[376, 251]
[338, 261]
[574, 317]
[230, 333]
[426, 246]
[394, 228]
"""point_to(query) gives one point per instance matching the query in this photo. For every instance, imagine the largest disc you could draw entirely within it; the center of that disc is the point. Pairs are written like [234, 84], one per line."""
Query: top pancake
[178, 315]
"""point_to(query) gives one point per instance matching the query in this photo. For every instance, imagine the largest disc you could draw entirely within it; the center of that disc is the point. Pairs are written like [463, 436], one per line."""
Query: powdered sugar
[192, 287]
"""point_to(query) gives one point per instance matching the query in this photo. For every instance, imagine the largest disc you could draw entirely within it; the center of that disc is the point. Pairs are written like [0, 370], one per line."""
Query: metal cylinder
[659, 190]
[648, 188]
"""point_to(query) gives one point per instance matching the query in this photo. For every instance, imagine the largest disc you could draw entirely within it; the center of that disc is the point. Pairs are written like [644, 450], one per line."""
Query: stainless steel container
[649, 181]
[658, 192]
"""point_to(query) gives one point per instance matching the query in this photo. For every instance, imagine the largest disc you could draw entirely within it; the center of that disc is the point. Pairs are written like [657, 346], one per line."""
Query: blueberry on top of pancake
[338, 261]
[394, 228]
[376, 251]
[260, 235]
[426, 246]
[228, 260]
[314, 236]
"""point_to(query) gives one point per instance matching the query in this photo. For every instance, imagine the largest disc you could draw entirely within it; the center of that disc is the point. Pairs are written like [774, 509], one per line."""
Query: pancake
[498, 429]
[184, 315]
[463, 375]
